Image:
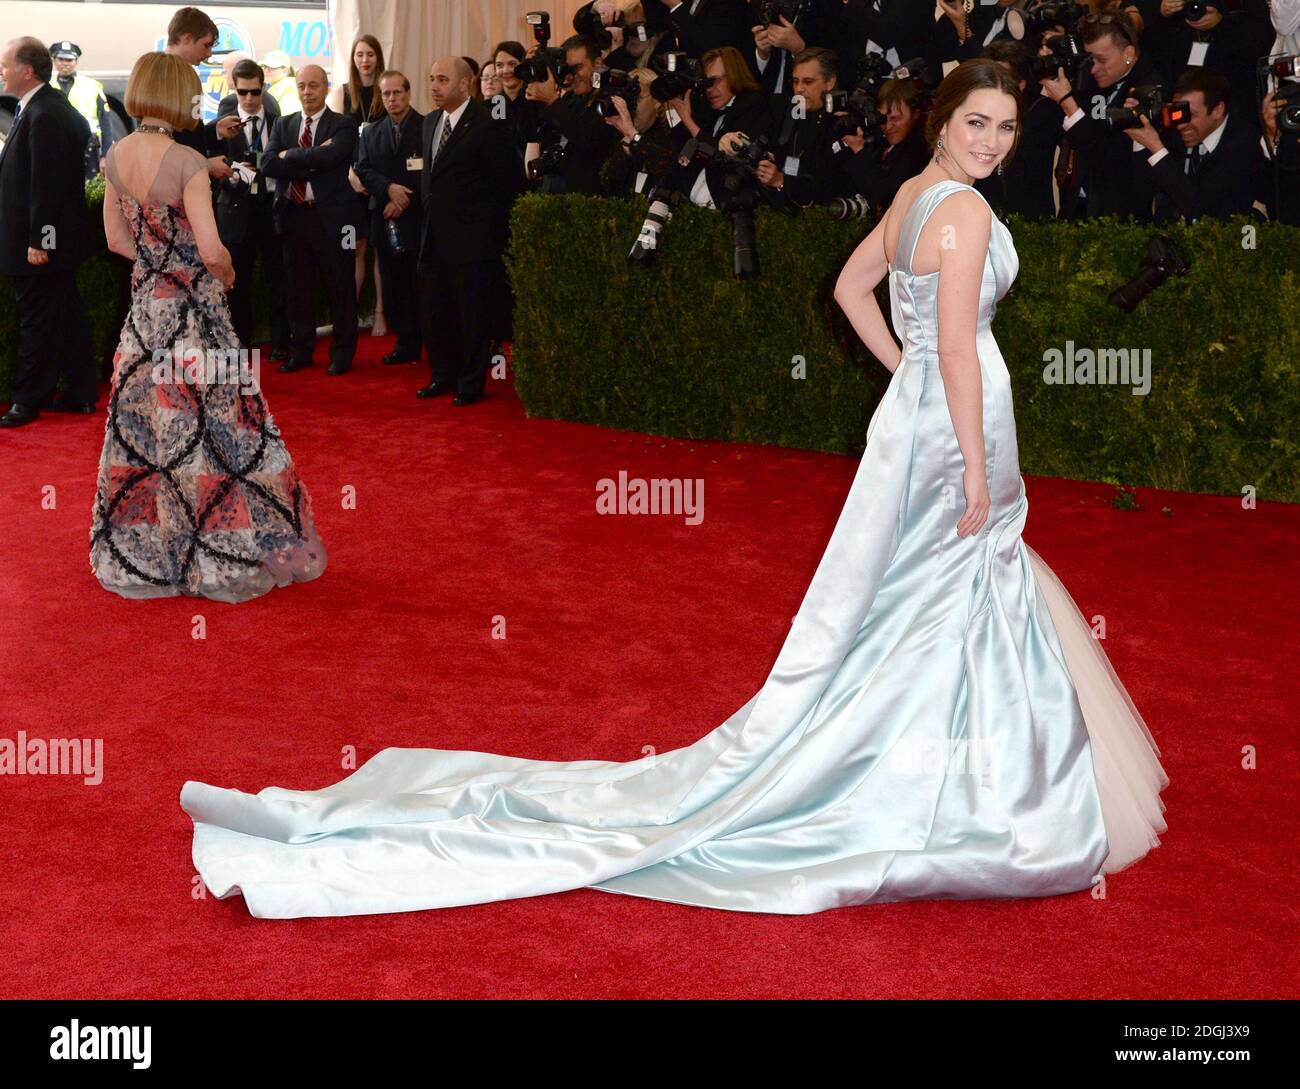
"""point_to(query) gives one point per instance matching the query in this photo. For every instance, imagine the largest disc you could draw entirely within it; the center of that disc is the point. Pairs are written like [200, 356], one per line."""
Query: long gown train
[939, 723]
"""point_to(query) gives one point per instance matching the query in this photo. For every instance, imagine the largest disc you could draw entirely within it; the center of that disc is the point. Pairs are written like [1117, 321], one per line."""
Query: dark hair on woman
[515, 49]
[979, 74]
[354, 77]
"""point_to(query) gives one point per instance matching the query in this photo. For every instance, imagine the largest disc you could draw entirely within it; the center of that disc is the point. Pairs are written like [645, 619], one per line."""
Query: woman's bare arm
[959, 230]
[855, 292]
[198, 209]
[116, 229]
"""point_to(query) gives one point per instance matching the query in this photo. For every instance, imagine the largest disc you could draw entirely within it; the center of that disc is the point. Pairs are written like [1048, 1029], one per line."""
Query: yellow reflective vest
[86, 95]
[285, 92]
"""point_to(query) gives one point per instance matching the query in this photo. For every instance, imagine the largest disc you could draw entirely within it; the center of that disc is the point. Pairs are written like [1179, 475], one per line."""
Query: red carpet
[622, 633]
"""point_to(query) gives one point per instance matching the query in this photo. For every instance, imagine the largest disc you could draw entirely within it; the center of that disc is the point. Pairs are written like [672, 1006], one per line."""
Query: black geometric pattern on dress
[252, 405]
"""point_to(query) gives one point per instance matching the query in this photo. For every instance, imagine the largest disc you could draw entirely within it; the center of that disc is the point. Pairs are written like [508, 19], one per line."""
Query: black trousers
[53, 338]
[309, 247]
[401, 294]
[458, 310]
[260, 239]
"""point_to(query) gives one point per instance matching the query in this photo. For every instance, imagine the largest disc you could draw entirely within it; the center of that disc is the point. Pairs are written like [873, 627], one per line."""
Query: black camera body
[614, 82]
[1151, 105]
[677, 74]
[1043, 16]
[767, 12]
[1067, 52]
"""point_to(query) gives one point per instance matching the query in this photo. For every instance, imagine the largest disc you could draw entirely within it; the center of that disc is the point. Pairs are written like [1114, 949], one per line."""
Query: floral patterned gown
[196, 492]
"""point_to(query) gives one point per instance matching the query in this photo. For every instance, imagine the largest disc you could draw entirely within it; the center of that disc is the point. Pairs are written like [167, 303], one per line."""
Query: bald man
[470, 175]
[317, 215]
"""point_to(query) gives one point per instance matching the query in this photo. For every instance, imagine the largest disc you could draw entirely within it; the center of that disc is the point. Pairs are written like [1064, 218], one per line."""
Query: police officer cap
[65, 50]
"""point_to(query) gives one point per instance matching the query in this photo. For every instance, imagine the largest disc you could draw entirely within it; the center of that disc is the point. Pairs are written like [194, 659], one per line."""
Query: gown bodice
[914, 298]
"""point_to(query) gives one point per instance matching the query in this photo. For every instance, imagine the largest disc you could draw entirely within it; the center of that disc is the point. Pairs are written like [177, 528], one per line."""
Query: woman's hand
[976, 486]
[357, 184]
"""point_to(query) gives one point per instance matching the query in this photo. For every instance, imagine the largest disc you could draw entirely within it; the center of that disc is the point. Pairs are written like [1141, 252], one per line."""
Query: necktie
[298, 190]
[397, 136]
[18, 109]
[443, 137]
[256, 142]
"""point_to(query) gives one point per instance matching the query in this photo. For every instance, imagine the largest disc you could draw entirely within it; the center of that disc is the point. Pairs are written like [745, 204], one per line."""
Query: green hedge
[105, 285]
[685, 349]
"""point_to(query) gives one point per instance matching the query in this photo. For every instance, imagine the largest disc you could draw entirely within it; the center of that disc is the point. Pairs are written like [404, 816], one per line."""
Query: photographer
[804, 163]
[1208, 164]
[574, 141]
[781, 29]
[646, 149]
[879, 169]
[631, 30]
[733, 106]
[887, 27]
[521, 112]
[1099, 172]
[1176, 40]
[704, 25]
[1281, 183]
[1025, 186]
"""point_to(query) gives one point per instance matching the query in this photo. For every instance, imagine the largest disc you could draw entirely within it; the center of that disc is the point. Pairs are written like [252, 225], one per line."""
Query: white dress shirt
[315, 135]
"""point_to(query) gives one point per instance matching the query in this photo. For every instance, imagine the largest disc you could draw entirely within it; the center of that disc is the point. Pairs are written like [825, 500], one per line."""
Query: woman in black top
[360, 98]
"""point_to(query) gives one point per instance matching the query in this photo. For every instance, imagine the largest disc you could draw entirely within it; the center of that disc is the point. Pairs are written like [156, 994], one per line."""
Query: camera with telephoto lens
[844, 208]
[767, 12]
[1043, 16]
[614, 82]
[677, 74]
[669, 193]
[1164, 258]
[551, 158]
[1285, 68]
[852, 110]
[1151, 104]
[1066, 51]
[740, 193]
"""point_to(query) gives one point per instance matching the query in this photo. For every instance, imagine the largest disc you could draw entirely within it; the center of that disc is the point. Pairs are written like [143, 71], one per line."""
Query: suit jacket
[1226, 183]
[235, 200]
[48, 143]
[1116, 179]
[380, 165]
[750, 113]
[467, 193]
[715, 23]
[905, 25]
[325, 164]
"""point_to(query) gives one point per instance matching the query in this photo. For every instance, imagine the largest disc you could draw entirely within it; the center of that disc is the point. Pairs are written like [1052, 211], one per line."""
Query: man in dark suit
[44, 235]
[702, 25]
[1210, 164]
[470, 179]
[390, 166]
[316, 213]
[245, 209]
[1099, 170]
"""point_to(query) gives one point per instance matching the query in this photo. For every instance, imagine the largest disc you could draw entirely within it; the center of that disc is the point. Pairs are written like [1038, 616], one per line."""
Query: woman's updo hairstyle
[978, 74]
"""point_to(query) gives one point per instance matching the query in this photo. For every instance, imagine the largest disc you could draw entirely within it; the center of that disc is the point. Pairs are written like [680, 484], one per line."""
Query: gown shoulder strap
[917, 215]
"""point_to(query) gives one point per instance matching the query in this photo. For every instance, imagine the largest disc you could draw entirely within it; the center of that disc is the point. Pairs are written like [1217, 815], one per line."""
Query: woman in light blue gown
[940, 722]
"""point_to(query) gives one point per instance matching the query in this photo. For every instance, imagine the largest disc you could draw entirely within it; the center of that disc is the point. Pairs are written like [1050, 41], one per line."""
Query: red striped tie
[298, 190]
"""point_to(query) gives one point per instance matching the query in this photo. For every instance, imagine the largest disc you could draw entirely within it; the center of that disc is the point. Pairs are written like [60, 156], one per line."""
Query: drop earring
[938, 147]
[999, 170]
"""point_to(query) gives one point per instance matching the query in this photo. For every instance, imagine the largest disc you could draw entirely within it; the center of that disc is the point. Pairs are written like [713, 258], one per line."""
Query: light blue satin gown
[919, 736]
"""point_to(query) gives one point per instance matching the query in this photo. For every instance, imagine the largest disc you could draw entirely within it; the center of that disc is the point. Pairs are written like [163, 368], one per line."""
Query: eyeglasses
[248, 91]
[1122, 26]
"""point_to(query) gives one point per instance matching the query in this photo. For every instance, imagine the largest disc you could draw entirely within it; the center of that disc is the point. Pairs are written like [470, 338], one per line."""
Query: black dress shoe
[292, 365]
[338, 368]
[398, 357]
[467, 398]
[19, 415]
[279, 355]
[85, 408]
[434, 389]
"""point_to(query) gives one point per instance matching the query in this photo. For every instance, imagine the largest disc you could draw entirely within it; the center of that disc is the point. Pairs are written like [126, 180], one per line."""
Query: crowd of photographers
[1154, 109]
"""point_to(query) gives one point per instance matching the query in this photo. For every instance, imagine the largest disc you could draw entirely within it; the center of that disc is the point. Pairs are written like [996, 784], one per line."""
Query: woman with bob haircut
[196, 492]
